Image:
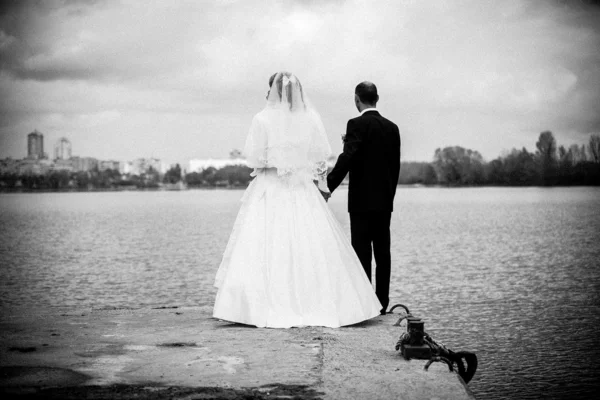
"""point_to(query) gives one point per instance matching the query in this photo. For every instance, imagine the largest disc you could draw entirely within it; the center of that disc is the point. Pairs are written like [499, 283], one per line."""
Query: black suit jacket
[372, 157]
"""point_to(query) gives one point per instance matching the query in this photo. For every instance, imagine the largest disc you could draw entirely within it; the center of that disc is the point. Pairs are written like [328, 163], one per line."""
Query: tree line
[57, 180]
[549, 165]
[230, 175]
[111, 179]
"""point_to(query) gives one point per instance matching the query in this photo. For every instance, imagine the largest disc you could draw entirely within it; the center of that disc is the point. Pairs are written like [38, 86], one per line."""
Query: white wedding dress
[288, 262]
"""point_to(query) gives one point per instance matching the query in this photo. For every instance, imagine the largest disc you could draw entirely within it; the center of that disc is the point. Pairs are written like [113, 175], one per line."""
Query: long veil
[288, 134]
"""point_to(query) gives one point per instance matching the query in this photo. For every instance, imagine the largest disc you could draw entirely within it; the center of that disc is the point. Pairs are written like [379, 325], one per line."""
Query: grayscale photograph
[300, 199]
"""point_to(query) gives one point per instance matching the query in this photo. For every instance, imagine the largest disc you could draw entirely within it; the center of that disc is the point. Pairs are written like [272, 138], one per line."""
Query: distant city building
[62, 149]
[37, 161]
[27, 166]
[62, 165]
[35, 145]
[143, 166]
[34, 166]
[111, 164]
[84, 164]
[197, 165]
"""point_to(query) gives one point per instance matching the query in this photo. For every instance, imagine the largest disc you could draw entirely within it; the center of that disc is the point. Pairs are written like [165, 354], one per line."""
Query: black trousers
[370, 233]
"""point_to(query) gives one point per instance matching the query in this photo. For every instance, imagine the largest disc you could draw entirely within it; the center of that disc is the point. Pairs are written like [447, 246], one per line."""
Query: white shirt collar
[368, 109]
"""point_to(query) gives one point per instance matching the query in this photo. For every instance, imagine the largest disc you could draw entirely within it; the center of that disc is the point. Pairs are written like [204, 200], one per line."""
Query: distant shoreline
[151, 189]
[158, 189]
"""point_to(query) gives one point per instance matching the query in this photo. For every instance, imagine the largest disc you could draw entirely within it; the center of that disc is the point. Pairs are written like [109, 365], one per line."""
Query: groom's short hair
[367, 92]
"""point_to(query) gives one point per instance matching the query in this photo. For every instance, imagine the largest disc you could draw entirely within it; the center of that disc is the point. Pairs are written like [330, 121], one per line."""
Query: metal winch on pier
[417, 344]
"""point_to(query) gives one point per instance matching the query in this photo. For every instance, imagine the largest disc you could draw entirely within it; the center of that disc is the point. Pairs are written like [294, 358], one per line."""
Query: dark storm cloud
[87, 40]
[26, 34]
[579, 111]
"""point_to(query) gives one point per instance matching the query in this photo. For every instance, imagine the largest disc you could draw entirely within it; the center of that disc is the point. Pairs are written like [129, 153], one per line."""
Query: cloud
[487, 75]
[99, 41]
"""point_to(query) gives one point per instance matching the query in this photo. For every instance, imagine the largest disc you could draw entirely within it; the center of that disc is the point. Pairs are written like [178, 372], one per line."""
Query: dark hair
[279, 85]
[367, 92]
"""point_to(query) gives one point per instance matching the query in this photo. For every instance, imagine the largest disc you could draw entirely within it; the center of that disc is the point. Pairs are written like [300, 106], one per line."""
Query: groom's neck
[362, 106]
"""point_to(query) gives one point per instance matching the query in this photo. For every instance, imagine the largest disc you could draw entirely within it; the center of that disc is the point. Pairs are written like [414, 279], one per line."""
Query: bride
[288, 262]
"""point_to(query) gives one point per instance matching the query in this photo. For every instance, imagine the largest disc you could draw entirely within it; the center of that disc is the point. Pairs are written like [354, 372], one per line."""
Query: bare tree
[547, 157]
[575, 155]
[595, 148]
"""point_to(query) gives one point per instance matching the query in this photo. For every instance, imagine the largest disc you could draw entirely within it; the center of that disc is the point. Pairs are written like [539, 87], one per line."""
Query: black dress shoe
[382, 312]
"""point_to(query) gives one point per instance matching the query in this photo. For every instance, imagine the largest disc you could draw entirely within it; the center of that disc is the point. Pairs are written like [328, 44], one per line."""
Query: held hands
[323, 190]
[326, 195]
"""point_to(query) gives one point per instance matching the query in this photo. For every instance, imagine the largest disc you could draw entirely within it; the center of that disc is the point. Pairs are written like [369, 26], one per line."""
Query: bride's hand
[323, 189]
[326, 195]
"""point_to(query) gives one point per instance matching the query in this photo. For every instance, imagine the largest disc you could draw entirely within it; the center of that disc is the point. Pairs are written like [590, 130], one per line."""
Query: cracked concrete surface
[184, 352]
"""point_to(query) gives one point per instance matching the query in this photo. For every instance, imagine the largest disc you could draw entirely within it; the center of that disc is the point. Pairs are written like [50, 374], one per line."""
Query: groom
[372, 156]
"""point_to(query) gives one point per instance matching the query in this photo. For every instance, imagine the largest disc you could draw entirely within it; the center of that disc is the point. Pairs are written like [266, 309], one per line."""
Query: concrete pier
[183, 353]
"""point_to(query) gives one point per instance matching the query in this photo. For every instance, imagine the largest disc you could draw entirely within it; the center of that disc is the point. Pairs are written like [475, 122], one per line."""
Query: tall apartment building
[35, 145]
[62, 149]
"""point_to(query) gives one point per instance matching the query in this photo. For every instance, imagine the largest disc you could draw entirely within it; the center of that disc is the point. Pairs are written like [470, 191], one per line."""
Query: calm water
[512, 274]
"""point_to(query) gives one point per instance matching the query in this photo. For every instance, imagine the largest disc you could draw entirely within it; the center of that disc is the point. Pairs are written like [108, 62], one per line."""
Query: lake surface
[512, 274]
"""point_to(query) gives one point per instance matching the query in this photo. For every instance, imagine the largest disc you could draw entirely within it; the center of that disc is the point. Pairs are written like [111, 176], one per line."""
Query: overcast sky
[182, 79]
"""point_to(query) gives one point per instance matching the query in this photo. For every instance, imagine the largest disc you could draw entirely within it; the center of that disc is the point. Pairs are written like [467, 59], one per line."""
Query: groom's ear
[356, 99]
